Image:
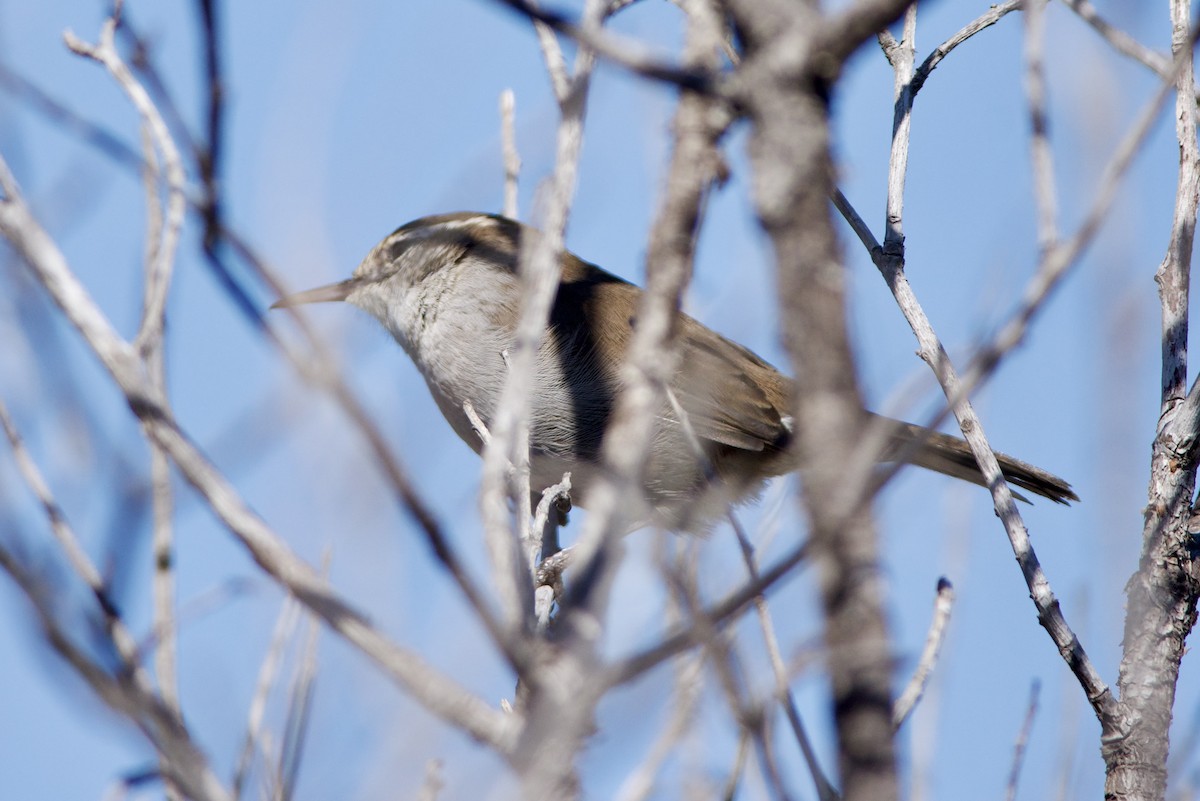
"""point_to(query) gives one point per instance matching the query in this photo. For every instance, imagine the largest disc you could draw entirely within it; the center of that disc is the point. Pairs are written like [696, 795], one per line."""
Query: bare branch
[1054, 265]
[158, 270]
[790, 56]
[128, 693]
[1040, 153]
[715, 616]
[983, 21]
[285, 624]
[616, 49]
[639, 784]
[512, 159]
[915, 688]
[540, 270]
[1022, 741]
[824, 788]
[438, 693]
[1163, 592]
[1121, 42]
[123, 641]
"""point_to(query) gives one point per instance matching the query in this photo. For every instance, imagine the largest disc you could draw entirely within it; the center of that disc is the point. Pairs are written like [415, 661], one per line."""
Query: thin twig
[158, 271]
[299, 713]
[630, 55]
[1039, 141]
[433, 783]
[555, 61]
[285, 624]
[1122, 42]
[748, 712]
[911, 696]
[983, 21]
[316, 366]
[440, 694]
[1022, 741]
[716, 615]
[639, 784]
[541, 546]
[128, 693]
[77, 557]
[508, 145]
[824, 788]
[729, 793]
[901, 56]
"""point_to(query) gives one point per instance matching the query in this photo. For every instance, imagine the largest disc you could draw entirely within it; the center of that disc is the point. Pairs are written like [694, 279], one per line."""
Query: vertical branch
[540, 271]
[929, 654]
[1040, 153]
[792, 56]
[821, 784]
[209, 156]
[561, 711]
[1173, 276]
[901, 55]
[1022, 742]
[164, 221]
[1161, 608]
[512, 159]
[285, 624]
[695, 165]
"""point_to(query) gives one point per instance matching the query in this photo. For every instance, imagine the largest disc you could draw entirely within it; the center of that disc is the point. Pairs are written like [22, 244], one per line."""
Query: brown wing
[730, 395]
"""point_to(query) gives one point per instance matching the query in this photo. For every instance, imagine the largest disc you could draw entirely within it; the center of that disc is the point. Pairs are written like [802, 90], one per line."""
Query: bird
[446, 287]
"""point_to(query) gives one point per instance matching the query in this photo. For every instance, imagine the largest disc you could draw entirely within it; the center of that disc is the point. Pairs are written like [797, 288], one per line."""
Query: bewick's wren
[447, 289]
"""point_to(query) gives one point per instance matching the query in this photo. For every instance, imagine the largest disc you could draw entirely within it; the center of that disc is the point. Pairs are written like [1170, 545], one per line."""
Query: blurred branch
[716, 615]
[1121, 42]
[639, 784]
[440, 694]
[512, 159]
[513, 546]
[562, 696]
[824, 788]
[694, 167]
[122, 640]
[1022, 742]
[1042, 158]
[164, 221]
[748, 712]
[111, 145]
[317, 366]
[285, 624]
[210, 156]
[299, 712]
[127, 693]
[616, 49]
[791, 58]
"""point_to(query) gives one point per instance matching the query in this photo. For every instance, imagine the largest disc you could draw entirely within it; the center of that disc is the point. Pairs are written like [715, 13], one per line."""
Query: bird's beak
[322, 294]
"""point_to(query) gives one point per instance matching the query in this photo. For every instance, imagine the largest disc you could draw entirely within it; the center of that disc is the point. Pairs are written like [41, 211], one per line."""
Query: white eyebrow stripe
[426, 231]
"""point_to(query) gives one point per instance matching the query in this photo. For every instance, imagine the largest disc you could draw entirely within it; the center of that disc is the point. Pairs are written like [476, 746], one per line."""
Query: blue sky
[347, 120]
